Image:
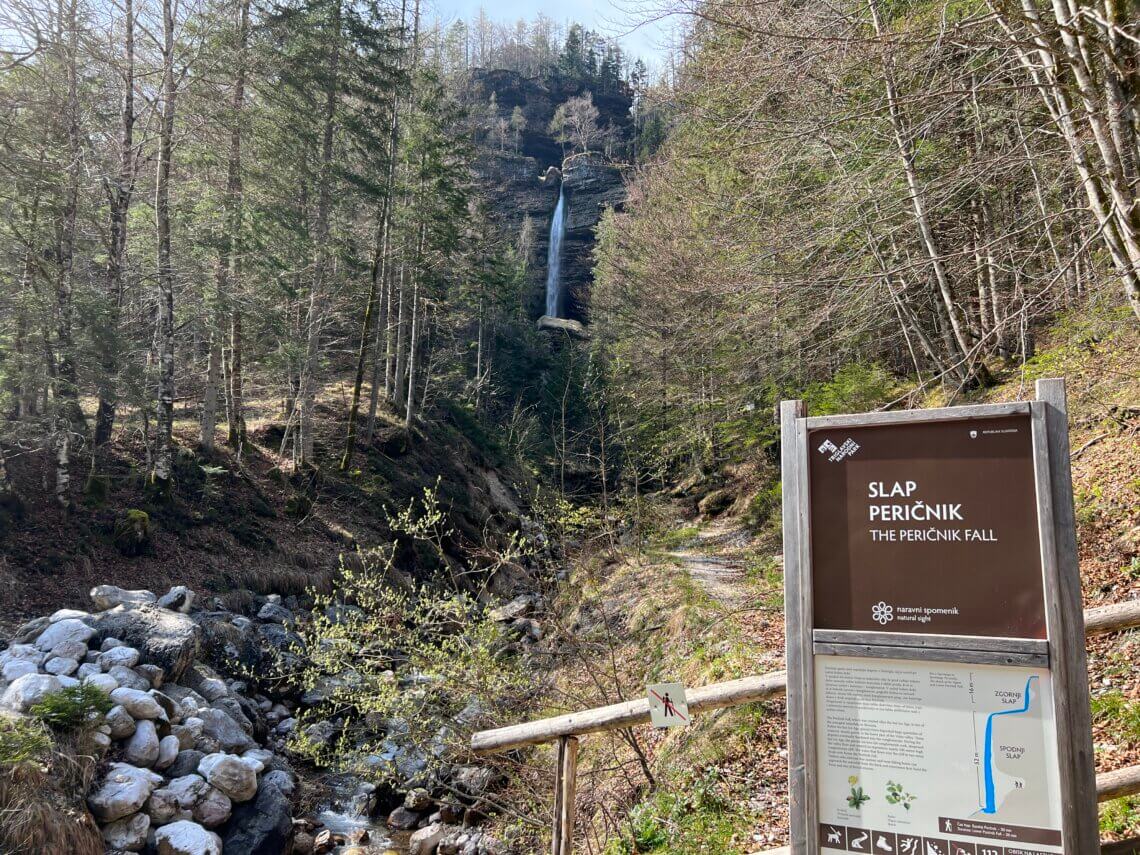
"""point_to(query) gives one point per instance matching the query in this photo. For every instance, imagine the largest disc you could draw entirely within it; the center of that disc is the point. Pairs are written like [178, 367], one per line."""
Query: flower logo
[882, 613]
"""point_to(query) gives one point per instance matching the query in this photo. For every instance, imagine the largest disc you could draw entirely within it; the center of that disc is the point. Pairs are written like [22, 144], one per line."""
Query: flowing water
[554, 258]
[380, 840]
[349, 810]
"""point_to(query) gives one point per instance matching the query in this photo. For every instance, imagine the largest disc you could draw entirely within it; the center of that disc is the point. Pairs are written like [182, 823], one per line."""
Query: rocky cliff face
[513, 178]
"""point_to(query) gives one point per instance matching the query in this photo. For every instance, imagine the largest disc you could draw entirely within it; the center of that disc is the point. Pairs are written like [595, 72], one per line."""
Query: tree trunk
[969, 370]
[67, 385]
[228, 253]
[1041, 64]
[119, 202]
[25, 387]
[380, 264]
[236, 409]
[316, 294]
[399, 376]
[413, 348]
[164, 413]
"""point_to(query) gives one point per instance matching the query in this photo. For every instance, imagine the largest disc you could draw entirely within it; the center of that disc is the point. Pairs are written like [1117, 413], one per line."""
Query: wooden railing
[566, 729]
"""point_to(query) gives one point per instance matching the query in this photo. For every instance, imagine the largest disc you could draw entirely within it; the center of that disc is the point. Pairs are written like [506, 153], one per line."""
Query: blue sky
[649, 41]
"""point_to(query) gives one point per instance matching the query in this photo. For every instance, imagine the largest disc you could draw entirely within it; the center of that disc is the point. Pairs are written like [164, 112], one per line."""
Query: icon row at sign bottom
[842, 838]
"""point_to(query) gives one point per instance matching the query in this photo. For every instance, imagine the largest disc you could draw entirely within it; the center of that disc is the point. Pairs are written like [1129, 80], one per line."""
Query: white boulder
[138, 703]
[60, 666]
[188, 790]
[17, 668]
[120, 721]
[103, 682]
[70, 650]
[214, 808]
[128, 678]
[178, 599]
[168, 748]
[186, 838]
[128, 657]
[127, 835]
[28, 690]
[142, 748]
[108, 596]
[66, 630]
[66, 614]
[122, 792]
[234, 776]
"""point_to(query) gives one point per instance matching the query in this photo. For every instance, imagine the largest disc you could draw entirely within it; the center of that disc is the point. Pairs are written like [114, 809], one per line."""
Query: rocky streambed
[193, 754]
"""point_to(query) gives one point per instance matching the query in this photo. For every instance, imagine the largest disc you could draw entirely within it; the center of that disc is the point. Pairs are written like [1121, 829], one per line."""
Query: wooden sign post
[937, 689]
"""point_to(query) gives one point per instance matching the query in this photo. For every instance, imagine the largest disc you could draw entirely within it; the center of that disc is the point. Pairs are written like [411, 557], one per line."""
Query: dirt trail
[714, 559]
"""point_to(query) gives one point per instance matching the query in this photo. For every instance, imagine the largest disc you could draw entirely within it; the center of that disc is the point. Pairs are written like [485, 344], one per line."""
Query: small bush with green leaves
[403, 666]
[72, 708]
[692, 816]
[23, 740]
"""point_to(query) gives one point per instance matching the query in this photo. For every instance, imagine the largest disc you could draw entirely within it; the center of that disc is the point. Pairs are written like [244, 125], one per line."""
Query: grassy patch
[691, 817]
[676, 538]
[1119, 716]
[1120, 816]
[765, 574]
[23, 740]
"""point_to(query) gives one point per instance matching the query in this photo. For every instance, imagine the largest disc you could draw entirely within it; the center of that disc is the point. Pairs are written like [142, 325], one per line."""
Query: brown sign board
[937, 682]
[926, 527]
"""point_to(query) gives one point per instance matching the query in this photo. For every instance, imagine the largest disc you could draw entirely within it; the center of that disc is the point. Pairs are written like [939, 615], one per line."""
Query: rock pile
[194, 761]
[185, 773]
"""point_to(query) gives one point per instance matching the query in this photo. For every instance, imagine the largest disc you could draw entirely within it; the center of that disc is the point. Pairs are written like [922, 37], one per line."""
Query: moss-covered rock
[132, 535]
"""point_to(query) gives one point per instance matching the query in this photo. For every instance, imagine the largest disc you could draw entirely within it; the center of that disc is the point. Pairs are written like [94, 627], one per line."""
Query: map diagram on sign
[960, 755]
[1012, 753]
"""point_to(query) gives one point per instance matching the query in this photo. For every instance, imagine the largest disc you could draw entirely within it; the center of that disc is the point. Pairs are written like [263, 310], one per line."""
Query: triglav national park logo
[838, 452]
[882, 613]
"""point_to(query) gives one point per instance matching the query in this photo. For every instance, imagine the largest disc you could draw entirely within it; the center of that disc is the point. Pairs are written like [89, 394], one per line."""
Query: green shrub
[855, 388]
[692, 817]
[73, 708]
[678, 537]
[764, 507]
[380, 631]
[23, 740]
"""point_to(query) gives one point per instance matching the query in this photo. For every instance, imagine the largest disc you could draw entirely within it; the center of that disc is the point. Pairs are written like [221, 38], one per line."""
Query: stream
[348, 812]
[381, 841]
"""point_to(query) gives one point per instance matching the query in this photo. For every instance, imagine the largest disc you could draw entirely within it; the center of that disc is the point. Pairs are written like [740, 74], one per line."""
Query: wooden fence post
[556, 831]
[565, 780]
[569, 786]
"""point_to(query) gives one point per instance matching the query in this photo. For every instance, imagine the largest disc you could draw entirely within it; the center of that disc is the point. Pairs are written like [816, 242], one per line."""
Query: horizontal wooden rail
[1098, 621]
[617, 716]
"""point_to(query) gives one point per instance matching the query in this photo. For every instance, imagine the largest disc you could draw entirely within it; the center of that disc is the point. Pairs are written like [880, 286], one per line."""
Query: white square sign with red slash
[667, 705]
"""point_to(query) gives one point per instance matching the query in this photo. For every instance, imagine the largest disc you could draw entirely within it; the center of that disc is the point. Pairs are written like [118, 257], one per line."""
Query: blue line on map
[990, 807]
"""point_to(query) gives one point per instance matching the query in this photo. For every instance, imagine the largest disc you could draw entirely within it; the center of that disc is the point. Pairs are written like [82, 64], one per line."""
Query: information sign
[936, 750]
[901, 513]
[937, 684]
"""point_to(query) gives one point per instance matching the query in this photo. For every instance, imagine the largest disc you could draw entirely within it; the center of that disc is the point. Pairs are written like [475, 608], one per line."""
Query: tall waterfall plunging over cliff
[554, 258]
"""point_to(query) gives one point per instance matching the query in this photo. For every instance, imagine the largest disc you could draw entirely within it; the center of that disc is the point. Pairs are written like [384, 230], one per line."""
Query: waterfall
[554, 258]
